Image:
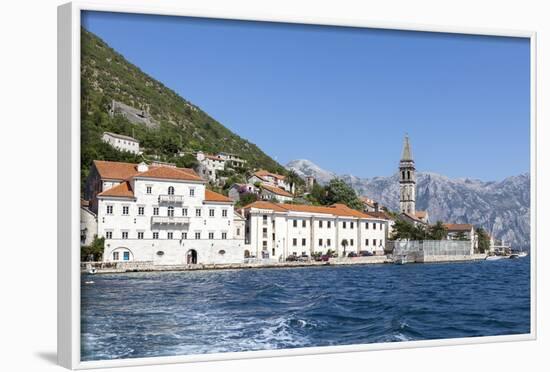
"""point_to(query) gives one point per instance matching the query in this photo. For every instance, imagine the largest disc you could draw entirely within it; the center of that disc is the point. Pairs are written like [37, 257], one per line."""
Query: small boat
[493, 258]
[514, 255]
[400, 260]
[522, 254]
[92, 271]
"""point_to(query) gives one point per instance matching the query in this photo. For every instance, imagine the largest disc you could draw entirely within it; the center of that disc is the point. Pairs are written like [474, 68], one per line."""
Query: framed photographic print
[239, 186]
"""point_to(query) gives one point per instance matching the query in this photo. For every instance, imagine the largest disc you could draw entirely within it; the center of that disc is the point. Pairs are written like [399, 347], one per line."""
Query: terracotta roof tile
[263, 173]
[336, 209]
[169, 173]
[277, 190]
[215, 197]
[420, 214]
[123, 190]
[125, 171]
[266, 205]
[458, 226]
[379, 214]
[115, 170]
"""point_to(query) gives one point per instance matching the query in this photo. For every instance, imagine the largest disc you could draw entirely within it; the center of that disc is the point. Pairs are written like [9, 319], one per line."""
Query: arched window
[403, 174]
[170, 211]
[408, 175]
[171, 190]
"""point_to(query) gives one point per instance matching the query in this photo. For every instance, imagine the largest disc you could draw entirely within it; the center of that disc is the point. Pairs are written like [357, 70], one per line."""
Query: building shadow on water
[48, 356]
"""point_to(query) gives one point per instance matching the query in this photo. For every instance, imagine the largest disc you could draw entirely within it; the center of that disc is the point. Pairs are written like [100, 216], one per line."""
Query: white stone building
[268, 192]
[162, 215]
[239, 189]
[277, 231]
[88, 224]
[121, 142]
[232, 160]
[273, 179]
[454, 230]
[209, 165]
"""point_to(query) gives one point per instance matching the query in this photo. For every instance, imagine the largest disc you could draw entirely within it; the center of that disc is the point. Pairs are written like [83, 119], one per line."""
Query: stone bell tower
[407, 180]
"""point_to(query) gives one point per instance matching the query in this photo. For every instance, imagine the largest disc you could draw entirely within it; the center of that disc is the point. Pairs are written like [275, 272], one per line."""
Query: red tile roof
[413, 217]
[335, 209]
[266, 205]
[215, 197]
[125, 171]
[169, 173]
[115, 170]
[263, 173]
[276, 190]
[123, 190]
[380, 214]
[458, 226]
[421, 214]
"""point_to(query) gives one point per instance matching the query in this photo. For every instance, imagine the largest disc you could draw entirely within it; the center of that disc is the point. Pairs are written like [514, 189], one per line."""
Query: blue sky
[344, 97]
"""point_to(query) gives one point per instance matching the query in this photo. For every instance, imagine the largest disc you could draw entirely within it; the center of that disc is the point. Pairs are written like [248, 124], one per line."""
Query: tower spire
[407, 179]
[406, 154]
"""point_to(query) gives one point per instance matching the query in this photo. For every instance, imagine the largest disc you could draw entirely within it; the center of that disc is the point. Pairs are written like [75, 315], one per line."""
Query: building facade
[462, 231]
[210, 165]
[272, 179]
[88, 224]
[121, 142]
[277, 231]
[163, 215]
[273, 193]
[239, 189]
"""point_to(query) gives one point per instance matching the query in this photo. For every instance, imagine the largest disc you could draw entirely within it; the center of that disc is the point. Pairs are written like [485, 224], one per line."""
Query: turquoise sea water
[161, 314]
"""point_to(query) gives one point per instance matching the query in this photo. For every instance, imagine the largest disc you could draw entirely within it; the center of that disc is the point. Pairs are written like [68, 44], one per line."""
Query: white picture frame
[69, 180]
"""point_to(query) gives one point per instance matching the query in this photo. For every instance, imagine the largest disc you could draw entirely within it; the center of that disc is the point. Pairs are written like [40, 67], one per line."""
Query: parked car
[303, 258]
[365, 253]
[292, 258]
[352, 254]
[325, 258]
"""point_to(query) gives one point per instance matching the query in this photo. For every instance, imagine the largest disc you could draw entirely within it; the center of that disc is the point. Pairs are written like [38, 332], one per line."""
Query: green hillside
[181, 126]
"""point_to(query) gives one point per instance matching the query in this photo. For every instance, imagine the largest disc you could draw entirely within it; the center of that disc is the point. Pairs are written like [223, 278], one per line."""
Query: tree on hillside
[293, 179]
[483, 239]
[437, 231]
[247, 198]
[337, 191]
[187, 161]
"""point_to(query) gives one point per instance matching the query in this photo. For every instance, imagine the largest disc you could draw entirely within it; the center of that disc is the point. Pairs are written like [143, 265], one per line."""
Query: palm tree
[437, 231]
[293, 179]
[344, 244]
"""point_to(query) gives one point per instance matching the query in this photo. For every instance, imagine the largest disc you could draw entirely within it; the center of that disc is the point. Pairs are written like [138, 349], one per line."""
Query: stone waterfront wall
[175, 252]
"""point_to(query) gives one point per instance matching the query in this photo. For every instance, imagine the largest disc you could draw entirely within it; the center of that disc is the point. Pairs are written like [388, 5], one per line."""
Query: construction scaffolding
[426, 248]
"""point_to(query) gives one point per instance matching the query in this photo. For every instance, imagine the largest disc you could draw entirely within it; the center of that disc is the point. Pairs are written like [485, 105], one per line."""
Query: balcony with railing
[171, 199]
[169, 220]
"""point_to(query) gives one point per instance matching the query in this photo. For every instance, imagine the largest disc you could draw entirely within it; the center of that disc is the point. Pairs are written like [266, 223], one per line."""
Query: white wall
[282, 224]
[88, 221]
[133, 223]
[174, 252]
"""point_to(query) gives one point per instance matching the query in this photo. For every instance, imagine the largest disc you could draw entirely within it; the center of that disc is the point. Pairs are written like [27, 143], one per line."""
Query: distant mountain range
[502, 208]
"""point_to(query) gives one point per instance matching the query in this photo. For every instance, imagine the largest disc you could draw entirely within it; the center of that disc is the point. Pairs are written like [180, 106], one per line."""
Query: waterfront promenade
[146, 266]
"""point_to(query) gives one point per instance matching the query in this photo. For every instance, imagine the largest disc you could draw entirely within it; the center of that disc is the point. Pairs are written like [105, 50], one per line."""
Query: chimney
[142, 167]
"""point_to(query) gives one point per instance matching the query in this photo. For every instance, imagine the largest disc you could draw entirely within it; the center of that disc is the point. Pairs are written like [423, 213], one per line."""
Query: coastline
[147, 266]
